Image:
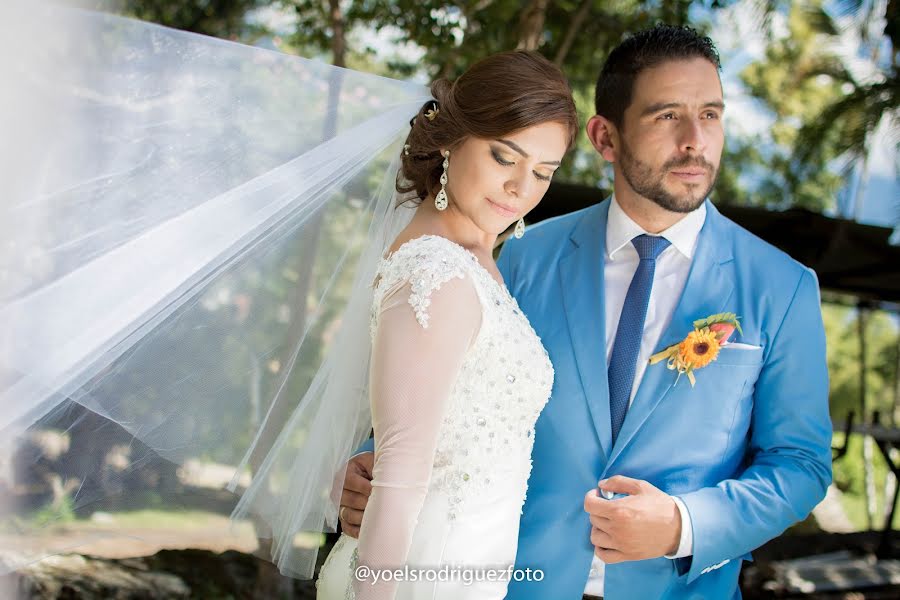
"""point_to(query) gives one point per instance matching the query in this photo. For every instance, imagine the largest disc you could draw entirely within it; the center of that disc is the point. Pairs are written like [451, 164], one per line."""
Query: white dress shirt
[672, 267]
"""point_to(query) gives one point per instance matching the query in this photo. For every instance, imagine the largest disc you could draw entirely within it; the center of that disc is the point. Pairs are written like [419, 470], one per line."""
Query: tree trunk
[338, 41]
[868, 446]
[283, 406]
[859, 195]
[575, 25]
[890, 486]
[896, 406]
[890, 483]
[531, 25]
[468, 13]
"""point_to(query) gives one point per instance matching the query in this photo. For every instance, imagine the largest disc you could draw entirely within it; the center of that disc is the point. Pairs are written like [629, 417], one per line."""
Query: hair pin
[432, 112]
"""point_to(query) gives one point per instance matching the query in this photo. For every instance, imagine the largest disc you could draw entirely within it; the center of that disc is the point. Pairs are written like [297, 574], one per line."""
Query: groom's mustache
[688, 161]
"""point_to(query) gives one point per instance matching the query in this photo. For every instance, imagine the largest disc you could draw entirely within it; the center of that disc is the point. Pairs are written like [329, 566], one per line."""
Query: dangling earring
[440, 201]
[520, 229]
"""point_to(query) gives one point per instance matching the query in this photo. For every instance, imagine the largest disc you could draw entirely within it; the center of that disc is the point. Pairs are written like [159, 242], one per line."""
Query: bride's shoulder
[426, 264]
[428, 254]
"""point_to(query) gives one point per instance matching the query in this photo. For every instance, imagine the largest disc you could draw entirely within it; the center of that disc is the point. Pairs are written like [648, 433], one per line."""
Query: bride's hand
[357, 488]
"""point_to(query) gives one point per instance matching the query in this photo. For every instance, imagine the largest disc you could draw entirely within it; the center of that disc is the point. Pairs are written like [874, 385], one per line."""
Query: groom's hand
[644, 524]
[357, 488]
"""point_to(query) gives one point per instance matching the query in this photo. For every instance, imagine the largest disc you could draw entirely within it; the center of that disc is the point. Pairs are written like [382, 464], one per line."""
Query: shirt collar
[683, 235]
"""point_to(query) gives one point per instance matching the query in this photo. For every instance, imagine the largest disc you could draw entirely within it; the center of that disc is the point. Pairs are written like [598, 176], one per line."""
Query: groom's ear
[604, 136]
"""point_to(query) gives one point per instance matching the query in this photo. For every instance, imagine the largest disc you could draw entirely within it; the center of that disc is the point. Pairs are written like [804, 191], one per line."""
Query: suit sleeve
[367, 446]
[789, 467]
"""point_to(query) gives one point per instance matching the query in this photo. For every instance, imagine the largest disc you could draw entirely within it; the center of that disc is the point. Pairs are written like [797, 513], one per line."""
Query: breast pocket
[722, 395]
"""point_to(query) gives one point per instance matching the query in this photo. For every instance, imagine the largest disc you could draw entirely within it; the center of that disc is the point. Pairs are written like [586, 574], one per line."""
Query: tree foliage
[219, 18]
[824, 117]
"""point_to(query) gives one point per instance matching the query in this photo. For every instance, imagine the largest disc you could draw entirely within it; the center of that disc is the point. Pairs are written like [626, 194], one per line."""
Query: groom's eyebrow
[654, 108]
[518, 149]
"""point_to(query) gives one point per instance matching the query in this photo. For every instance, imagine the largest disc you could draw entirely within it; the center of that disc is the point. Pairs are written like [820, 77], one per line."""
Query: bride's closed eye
[507, 163]
[500, 159]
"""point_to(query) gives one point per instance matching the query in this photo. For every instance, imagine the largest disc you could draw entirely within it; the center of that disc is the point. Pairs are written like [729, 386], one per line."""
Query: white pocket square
[714, 567]
[739, 346]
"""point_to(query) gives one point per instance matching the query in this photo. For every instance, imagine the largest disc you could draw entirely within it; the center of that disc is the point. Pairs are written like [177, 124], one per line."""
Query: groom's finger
[351, 520]
[602, 523]
[354, 482]
[351, 516]
[601, 539]
[610, 557]
[620, 484]
[354, 500]
[596, 506]
[350, 530]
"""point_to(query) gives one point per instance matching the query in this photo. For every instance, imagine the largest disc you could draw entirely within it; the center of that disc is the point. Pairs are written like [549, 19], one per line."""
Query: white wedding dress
[458, 380]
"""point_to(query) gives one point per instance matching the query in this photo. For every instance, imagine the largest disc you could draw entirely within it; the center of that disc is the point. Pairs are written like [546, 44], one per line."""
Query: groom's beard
[651, 184]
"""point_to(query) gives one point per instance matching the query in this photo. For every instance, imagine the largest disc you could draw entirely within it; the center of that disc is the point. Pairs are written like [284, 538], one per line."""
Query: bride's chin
[493, 226]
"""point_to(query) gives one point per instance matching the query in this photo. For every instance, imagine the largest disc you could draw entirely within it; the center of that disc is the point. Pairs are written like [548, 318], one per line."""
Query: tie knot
[649, 246]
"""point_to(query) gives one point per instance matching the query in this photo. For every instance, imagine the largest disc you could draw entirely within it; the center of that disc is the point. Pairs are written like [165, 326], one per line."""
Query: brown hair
[498, 95]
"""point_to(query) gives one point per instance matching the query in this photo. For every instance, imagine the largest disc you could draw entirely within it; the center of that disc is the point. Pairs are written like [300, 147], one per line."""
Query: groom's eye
[667, 116]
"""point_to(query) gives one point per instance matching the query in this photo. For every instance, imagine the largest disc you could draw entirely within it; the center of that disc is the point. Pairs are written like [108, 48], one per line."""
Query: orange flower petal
[699, 348]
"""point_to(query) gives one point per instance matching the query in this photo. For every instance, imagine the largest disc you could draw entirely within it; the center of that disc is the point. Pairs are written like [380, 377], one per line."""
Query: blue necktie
[627, 345]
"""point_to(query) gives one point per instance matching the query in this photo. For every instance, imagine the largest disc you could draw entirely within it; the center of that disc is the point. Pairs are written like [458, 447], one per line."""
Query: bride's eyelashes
[500, 159]
[506, 163]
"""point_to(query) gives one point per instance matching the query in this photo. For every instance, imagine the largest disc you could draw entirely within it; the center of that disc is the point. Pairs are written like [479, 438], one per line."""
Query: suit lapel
[581, 279]
[707, 291]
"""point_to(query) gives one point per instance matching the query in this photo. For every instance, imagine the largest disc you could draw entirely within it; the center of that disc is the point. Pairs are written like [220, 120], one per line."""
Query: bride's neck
[450, 224]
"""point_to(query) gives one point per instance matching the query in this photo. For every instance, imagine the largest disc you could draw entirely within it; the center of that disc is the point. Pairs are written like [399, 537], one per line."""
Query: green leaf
[730, 318]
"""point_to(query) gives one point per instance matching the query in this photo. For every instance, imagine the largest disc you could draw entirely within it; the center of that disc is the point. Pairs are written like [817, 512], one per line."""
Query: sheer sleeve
[424, 329]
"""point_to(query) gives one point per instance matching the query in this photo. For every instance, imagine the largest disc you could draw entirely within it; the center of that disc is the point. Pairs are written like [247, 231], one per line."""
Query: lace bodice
[503, 384]
[458, 380]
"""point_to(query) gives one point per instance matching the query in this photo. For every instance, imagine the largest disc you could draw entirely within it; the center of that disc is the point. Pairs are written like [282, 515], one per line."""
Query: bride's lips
[502, 209]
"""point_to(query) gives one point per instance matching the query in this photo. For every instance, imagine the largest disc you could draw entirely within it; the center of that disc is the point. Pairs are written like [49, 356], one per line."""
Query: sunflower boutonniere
[700, 347]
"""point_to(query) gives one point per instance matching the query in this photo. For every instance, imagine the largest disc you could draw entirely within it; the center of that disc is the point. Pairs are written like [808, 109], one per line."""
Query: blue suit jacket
[747, 449]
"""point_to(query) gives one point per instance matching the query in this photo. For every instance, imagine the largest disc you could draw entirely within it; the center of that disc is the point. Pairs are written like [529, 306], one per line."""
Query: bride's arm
[418, 350]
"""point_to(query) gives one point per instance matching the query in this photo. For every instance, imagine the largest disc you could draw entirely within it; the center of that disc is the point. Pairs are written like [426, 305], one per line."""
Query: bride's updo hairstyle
[499, 95]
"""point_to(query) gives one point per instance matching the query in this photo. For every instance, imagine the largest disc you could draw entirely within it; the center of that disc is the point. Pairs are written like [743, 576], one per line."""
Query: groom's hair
[643, 50]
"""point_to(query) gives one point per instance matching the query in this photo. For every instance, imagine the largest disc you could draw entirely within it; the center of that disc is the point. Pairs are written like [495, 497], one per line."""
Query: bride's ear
[604, 137]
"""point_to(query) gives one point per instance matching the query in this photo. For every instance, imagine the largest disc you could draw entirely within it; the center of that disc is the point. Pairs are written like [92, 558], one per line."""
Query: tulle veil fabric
[189, 229]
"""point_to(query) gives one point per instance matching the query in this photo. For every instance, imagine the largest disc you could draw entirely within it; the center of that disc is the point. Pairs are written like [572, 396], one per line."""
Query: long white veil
[188, 234]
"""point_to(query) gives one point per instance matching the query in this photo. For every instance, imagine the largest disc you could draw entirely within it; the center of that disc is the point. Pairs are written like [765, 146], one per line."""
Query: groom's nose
[692, 137]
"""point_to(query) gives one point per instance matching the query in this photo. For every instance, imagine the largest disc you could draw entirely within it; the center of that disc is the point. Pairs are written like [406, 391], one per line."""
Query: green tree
[824, 116]
[220, 18]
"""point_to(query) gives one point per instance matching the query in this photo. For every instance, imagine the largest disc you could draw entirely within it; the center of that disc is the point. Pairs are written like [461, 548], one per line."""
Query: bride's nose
[517, 186]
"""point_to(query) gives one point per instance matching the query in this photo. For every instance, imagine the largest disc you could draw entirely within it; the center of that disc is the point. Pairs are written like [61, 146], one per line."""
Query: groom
[693, 476]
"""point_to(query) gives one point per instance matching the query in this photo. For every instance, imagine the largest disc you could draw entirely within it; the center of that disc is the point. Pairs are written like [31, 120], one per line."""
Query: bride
[178, 275]
[458, 376]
